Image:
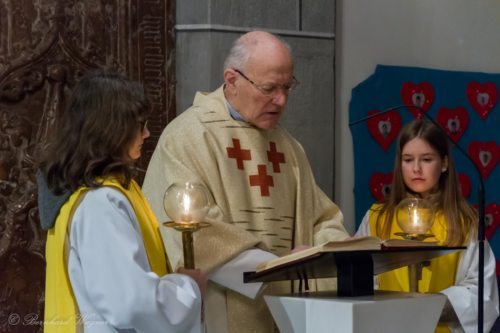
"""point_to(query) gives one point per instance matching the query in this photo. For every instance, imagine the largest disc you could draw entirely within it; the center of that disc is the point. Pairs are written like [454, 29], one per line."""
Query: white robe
[114, 286]
[463, 295]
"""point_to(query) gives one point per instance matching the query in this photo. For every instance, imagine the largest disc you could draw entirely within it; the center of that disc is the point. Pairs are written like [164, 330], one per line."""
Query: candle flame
[186, 205]
[415, 217]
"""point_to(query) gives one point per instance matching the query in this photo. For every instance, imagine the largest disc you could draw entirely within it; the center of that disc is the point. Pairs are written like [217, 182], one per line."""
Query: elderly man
[266, 200]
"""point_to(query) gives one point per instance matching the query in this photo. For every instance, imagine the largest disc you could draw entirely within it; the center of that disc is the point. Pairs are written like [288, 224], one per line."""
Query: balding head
[255, 44]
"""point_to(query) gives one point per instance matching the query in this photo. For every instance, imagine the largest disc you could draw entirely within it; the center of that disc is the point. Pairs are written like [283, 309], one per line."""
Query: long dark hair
[461, 218]
[102, 118]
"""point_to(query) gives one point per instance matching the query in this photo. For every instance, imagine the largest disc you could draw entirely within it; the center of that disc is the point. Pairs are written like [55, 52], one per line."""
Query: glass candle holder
[415, 217]
[187, 205]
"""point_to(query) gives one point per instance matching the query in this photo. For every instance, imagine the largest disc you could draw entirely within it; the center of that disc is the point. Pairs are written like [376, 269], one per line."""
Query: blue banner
[465, 104]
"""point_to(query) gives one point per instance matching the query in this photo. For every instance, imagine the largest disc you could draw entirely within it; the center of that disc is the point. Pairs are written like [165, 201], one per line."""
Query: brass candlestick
[415, 218]
[187, 238]
[187, 204]
[415, 270]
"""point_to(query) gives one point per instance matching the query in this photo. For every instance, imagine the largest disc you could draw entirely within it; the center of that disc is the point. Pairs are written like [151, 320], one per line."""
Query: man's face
[259, 92]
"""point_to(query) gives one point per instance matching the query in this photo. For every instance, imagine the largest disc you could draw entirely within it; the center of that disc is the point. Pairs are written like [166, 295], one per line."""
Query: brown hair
[461, 218]
[103, 116]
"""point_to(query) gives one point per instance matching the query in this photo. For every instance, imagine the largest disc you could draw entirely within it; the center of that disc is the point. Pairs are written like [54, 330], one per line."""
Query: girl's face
[134, 151]
[422, 166]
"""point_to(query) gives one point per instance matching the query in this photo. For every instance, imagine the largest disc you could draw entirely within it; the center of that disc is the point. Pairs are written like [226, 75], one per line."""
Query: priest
[266, 200]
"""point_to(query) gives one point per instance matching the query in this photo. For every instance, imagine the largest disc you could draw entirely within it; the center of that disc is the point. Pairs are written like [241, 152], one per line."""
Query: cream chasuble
[264, 191]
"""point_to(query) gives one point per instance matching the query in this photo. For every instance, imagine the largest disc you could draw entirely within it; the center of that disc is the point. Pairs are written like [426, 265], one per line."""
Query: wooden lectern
[355, 307]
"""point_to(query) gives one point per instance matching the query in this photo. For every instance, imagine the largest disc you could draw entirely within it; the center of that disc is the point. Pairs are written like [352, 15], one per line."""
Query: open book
[351, 244]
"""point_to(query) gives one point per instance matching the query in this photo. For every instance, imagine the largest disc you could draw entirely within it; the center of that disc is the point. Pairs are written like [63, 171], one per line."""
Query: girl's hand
[197, 275]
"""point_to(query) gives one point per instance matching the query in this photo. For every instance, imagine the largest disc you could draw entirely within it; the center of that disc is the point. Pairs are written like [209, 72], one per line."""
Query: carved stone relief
[45, 47]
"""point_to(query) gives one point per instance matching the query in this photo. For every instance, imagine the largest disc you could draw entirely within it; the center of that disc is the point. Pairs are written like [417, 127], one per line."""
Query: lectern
[355, 307]
[388, 312]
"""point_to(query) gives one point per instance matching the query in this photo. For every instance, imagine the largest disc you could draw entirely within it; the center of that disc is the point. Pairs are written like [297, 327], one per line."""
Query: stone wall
[205, 30]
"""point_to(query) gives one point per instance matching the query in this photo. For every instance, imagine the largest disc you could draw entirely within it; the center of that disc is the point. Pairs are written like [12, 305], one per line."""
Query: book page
[350, 244]
[397, 242]
[289, 258]
[354, 243]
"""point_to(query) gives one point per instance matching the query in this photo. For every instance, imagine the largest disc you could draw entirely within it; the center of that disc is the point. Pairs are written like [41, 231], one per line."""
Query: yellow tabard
[61, 309]
[438, 275]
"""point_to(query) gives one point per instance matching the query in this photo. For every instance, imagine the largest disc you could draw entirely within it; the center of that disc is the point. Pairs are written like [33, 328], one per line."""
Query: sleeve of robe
[111, 276]
[230, 274]
[463, 295]
[364, 227]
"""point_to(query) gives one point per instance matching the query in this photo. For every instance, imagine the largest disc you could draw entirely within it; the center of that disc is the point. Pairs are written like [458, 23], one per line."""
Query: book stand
[355, 307]
[354, 269]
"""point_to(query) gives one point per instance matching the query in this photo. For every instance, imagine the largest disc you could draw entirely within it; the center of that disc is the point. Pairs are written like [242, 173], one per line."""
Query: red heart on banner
[380, 185]
[482, 97]
[420, 95]
[453, 121]
[492, 219]
[384, 128]
[485, 155]
[465, 185]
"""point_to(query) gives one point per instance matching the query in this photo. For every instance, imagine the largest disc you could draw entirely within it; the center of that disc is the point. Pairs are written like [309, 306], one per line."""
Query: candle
[186, 209]
[415, 217]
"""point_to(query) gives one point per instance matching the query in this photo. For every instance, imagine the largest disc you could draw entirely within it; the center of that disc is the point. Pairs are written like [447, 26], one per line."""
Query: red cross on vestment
[262, 180]
[239, 154]
[275, 157]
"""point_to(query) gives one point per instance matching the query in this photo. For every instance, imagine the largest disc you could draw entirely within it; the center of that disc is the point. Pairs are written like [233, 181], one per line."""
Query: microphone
[480, 197]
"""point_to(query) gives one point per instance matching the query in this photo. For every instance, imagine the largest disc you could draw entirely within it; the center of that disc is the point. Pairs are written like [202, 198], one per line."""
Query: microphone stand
[480, 197]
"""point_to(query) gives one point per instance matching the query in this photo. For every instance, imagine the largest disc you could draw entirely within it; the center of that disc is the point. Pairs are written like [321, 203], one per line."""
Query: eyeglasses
[271, 89]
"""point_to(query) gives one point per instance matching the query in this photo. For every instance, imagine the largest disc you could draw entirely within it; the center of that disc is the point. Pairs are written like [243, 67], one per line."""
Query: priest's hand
[300, 248]
[197, 275]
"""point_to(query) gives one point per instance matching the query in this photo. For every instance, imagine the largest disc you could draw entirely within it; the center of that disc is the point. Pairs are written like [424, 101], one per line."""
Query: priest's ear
[230, 81]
